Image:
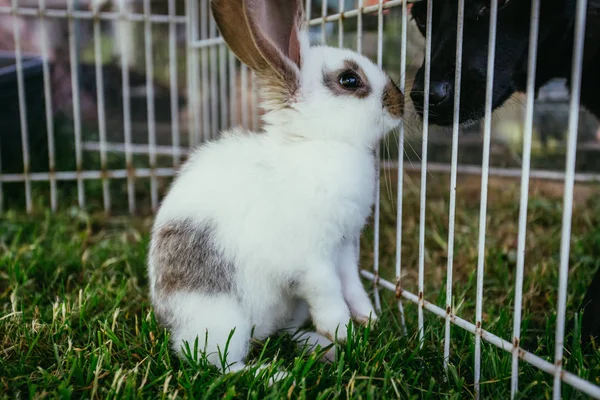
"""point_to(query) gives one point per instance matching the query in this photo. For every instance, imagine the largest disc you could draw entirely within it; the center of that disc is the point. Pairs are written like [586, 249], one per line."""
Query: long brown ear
[265, 35]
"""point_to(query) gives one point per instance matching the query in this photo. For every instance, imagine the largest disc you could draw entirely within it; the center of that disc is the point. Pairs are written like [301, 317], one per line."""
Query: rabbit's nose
[393, 99]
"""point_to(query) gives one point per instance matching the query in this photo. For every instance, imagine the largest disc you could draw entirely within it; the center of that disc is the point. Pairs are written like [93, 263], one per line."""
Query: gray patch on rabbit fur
[186, 258]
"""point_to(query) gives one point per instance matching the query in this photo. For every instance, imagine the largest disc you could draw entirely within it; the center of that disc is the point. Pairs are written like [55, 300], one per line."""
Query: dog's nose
[439, 92]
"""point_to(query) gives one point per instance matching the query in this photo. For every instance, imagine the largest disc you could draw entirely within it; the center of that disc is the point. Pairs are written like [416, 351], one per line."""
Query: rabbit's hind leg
[220, 325]
[223, 331]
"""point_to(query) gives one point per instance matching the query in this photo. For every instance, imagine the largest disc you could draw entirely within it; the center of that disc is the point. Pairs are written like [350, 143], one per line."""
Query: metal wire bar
[73, 57]
[399, 198]
[244, 102]
[254, 102]
[424, 171]
[308, 8]
[48, 106]
[359, 26]
[192, 72]
[359, 35]
[204, 77]
[565, 240]
[214, 79]
[134, 148]
[89, 175]
[341, 25]
[323, 15]
[233, 98]
[495, 171]
[174, 89]
[533, 39]
[223, 98]
[377, 212]
[210, 42]
[454, 163]
[357, 12]
[484, 192]
[88, 15]
[101, 111]
[150, 104]
[127, 120]
[22, 110]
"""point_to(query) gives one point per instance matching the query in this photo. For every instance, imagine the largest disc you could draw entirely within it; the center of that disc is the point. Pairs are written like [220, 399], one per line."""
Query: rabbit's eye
[350, 80]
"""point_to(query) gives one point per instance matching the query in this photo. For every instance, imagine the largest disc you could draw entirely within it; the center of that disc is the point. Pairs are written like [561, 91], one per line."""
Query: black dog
[555, 50]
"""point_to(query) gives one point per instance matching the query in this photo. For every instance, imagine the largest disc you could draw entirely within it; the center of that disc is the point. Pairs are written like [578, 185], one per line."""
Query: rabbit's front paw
[365, 318]
[334, 325]
[360, 305]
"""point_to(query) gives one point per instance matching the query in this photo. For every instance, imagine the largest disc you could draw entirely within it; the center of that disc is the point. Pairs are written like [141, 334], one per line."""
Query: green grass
[75, 320]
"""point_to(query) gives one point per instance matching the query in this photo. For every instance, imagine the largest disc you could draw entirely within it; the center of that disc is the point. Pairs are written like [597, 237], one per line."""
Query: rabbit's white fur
[287, 206]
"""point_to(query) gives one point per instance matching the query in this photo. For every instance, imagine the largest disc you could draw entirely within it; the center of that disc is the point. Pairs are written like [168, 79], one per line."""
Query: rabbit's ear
[265, 35]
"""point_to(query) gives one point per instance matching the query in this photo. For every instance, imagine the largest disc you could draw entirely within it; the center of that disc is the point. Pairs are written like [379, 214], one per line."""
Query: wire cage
[106, 99]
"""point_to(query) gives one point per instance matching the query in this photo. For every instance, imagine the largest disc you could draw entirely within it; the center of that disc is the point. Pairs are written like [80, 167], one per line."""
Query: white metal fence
[220, 94]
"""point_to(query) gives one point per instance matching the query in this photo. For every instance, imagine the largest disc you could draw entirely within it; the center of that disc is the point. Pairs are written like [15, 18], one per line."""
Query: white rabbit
[258, 232]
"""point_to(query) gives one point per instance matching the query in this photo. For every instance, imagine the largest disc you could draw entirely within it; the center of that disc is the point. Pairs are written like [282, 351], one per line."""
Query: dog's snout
[439, 93]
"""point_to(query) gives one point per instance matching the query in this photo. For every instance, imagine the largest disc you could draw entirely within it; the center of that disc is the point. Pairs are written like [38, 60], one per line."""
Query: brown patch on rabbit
[188, 260]
[393, 99]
